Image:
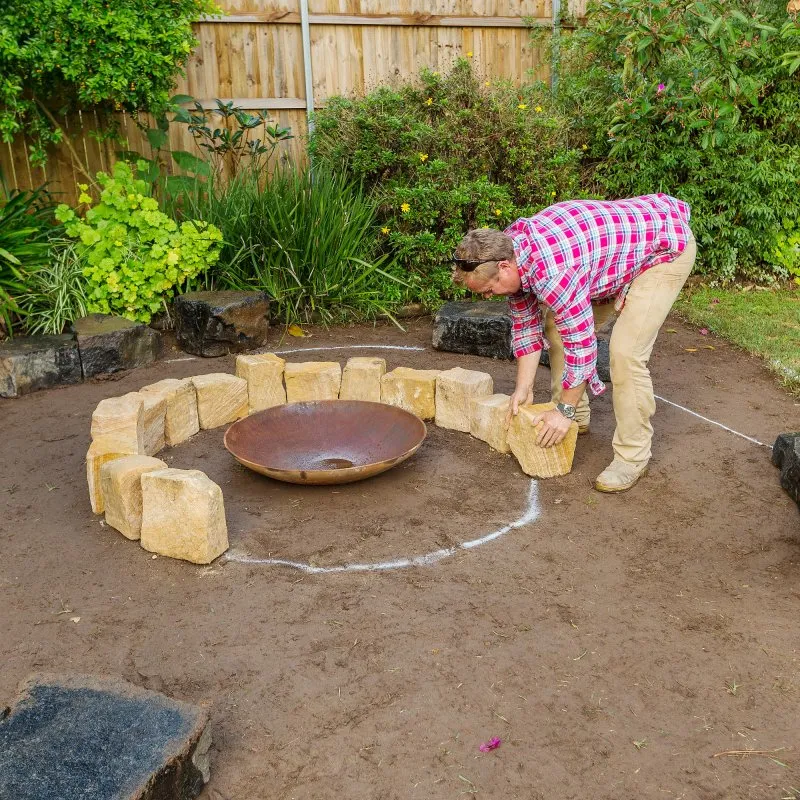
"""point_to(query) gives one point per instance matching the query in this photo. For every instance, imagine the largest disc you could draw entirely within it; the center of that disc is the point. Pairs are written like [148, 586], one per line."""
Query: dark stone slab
[79, 737]
[30, 363]
[217, 323]
[109, 344]
[481, 328]
[786, 456]
[603, 360]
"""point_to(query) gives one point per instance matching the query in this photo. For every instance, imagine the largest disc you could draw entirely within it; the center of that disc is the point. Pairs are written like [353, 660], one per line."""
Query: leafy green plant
[26, 224]
[445, 154]
[700, 100]
[93, 54]
[787, 248]
[134, 255]
[56, 293]
[306, 237]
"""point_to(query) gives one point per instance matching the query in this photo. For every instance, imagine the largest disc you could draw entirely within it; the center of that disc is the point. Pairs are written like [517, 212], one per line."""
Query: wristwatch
[567, 410]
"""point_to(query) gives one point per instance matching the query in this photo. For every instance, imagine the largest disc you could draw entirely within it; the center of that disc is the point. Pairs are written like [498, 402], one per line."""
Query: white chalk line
[531, 515]
[712, 422]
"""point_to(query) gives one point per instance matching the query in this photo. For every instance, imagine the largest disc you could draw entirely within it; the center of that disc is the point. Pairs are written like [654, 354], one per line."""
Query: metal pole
[306, 34]
[556, 46]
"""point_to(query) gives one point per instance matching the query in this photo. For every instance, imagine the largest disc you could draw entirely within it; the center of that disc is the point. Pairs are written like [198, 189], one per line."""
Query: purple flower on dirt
[661, 87]
[492, 744]
[704, 331]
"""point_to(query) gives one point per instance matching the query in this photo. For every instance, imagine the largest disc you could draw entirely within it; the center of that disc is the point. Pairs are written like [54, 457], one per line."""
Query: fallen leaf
[671, 330]
[690, 349]
[74, 619]
[296, 330]
[709, 347]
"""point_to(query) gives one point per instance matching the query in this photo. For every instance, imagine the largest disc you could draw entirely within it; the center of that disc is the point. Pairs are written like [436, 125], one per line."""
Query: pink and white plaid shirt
[578, 251]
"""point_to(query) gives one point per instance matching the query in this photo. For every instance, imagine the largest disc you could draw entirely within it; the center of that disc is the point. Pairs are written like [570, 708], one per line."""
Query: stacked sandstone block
[181, 514]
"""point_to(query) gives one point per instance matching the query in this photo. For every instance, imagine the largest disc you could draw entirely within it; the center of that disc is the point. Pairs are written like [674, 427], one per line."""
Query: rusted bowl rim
[329, 476]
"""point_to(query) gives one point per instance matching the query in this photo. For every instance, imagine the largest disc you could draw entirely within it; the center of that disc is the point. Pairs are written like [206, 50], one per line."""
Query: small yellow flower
[423, 156]
[487, 83]
[469, 53]
[522, 106]
[552, 194]
[585, 147]
[538, 109]
[435, 74]
[405, 208]
[429, 101]
[498, 212]
[385, 231]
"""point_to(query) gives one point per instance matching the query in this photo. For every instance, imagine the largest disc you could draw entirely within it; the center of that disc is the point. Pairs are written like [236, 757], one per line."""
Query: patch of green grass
[763, 322]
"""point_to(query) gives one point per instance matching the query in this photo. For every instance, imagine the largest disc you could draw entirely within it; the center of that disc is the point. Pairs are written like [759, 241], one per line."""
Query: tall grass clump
[308, 237]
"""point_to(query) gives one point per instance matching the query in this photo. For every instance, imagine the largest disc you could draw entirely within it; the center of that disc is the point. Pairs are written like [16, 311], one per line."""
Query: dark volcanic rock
[79, 737]
[38, 362]
[110, 344]
[786, 456]
[481, 328]
[217, 323]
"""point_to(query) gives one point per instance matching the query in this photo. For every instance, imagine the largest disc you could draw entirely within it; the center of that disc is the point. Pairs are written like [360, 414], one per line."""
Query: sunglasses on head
[465, 264]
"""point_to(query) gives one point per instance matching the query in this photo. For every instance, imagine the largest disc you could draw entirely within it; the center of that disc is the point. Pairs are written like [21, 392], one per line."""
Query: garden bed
[619, 646]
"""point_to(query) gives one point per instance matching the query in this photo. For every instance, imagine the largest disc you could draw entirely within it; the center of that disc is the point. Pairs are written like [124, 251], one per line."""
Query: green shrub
[59, 55]
[134, 255]
[444, 155]
[306, 237]
[26, 225]
[699, 100]
[55, 295]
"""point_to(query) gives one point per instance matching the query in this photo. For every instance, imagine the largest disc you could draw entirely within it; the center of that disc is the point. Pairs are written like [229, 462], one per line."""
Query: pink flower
[714, 301]
[492, 744]
[661, 87]
[704, 331]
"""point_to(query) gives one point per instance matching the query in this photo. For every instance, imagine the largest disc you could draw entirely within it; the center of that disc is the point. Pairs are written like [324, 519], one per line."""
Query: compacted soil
[620, 647]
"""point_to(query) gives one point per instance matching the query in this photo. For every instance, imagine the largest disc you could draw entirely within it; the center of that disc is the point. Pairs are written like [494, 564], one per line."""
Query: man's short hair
[485, 246]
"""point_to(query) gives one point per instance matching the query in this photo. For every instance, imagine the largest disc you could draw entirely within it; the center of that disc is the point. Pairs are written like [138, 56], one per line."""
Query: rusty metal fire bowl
[325, 442]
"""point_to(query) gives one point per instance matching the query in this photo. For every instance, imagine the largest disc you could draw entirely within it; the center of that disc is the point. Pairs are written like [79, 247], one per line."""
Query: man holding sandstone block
[566, 271]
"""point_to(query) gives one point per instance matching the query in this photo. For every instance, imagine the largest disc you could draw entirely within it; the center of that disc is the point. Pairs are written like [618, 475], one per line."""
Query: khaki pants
[647, 304]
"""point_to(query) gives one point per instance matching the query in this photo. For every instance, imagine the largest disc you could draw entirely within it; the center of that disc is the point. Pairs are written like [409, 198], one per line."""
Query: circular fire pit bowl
[325, 442]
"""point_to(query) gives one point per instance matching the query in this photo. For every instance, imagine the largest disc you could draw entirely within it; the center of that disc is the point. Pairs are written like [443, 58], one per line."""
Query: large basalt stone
[76, 737]
[110, 344]
[786, 456]
[603, 360]
[30, 363]
[481, 328]
[214, 324]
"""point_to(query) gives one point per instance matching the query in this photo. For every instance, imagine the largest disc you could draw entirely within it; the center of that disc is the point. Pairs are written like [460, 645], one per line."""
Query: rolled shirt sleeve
[527, 327]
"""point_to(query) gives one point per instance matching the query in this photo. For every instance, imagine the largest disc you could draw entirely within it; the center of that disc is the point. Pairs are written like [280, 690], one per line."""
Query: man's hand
[520, 397]
[555, 427]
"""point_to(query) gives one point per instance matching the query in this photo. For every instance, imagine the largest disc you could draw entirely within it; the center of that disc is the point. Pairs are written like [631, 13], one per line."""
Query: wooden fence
[254, 54]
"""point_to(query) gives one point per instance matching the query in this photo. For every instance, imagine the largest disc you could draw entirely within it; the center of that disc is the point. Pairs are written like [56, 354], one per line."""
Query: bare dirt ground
[620, 646]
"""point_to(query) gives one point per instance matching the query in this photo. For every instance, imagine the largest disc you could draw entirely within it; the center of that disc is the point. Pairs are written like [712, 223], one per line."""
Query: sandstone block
[119, 422]
[540, 462]
[361, 379]
[264, 376]
[99, 453]
[121, 485]
[221, 398]
[181, 421]
[488, 421]
[411, 389]
[455, 390]
[155, 413]
[183, 515]
[313, 380]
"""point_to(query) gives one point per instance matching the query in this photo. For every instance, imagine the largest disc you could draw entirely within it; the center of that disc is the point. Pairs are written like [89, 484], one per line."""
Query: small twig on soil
[748, 752]
[472, 789]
